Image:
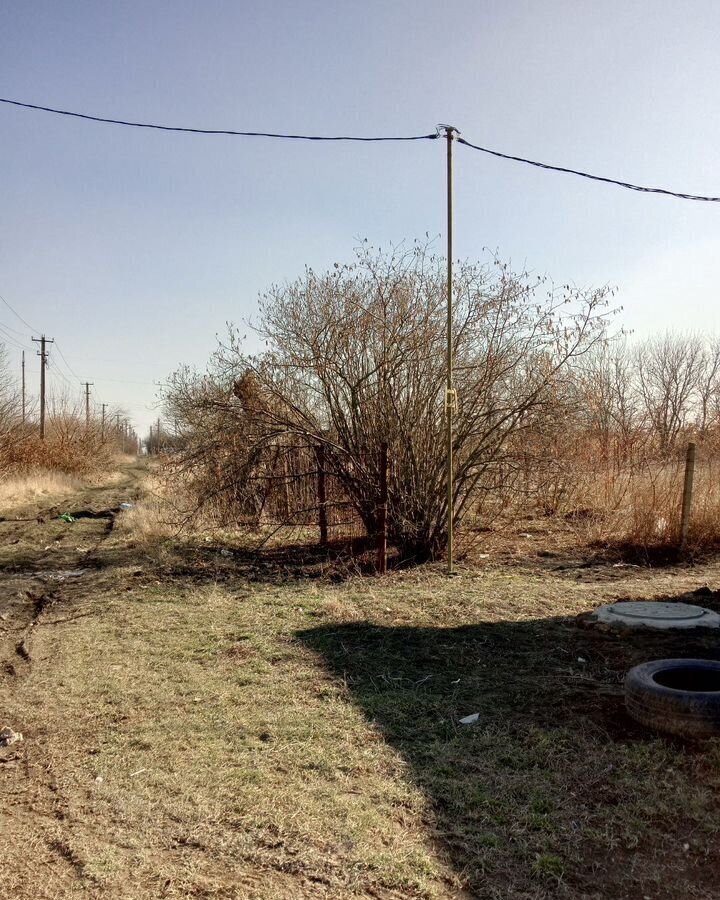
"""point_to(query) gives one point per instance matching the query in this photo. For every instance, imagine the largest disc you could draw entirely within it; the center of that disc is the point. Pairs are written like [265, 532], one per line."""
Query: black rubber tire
[681, 712]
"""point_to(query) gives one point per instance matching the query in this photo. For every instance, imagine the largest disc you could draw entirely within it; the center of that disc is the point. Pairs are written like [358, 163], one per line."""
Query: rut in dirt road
[43, 558]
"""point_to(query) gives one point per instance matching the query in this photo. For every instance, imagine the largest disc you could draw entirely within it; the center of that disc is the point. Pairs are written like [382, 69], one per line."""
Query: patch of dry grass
[248, 739]
[37, 487]
[197, 725]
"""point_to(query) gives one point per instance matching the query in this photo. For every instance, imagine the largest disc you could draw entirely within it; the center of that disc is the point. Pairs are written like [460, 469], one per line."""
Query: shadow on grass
[518, 802]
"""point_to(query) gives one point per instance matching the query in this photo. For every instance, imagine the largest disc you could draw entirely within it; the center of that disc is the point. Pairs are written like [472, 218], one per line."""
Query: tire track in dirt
[28, 595]
[28, 780]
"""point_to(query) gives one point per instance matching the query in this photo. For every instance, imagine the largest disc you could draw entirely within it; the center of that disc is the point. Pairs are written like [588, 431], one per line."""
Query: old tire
[679, 696]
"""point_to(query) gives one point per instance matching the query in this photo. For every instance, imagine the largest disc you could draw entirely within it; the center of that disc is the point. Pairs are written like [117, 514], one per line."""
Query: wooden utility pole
[450, 397]
[42, 353]
[88, 385]
[102, 423]
[23, 387]
[687, 495]
[150, 442]
[157, 435]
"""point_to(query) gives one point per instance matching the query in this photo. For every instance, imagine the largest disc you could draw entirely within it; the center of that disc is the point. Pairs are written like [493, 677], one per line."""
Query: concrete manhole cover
[655, 614]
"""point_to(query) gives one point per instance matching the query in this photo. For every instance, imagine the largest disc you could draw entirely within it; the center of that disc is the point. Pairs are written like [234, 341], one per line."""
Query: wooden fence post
[687, 495]
[382, 511]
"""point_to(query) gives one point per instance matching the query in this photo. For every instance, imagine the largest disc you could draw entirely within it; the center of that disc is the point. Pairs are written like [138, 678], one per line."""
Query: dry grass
[641, 508]
[200, 725]
[38, 487]
[153, 518]
[194, 728]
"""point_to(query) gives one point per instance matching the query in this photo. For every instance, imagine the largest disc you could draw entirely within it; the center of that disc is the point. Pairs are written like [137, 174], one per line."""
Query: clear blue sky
[132, 248]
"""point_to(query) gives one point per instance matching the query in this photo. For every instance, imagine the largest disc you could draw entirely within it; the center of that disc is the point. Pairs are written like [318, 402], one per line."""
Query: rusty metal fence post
[687, 495]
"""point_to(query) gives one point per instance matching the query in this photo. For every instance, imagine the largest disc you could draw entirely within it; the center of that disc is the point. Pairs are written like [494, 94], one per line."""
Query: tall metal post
[102, 423]
[687, 495]
[450, 132]
[23, 387]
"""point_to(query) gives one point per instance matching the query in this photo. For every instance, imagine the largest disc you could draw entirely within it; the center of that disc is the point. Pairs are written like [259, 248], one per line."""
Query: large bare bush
[355, 359]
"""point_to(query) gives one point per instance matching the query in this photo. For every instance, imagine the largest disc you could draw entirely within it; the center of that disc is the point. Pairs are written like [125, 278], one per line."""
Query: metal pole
[687, 495]
[450, 132]
[382, 511]
[43, 366]
[102, 423]
[23, 387]
[322, 494]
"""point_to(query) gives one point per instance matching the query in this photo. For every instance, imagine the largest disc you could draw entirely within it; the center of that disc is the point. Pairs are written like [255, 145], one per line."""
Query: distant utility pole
[42, 353]
[23, 387]
[102, 423]
[150, 443]
[88, 385]
[157, 435]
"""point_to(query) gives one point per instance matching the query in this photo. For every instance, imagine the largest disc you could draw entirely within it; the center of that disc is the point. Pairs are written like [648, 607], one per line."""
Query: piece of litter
[686, 847]
[99, 779]
[582, 659]
[67, 517]
[457, 681]
[126, 506]
[470, 720]
[139, 772]
[226, 552]
[8, 736]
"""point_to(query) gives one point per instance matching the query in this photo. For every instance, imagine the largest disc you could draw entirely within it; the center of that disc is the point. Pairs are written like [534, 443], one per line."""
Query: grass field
[206, 724]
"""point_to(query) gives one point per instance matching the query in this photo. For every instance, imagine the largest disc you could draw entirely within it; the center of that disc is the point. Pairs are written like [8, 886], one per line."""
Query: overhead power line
[14, 330]
[316, 137]
[69, 367]
[563, 169]
[17, 314]
[6, 337]
[267, 134]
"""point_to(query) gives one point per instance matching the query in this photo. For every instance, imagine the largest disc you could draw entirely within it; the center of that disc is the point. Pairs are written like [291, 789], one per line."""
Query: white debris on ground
[8, 736]
[470, 720]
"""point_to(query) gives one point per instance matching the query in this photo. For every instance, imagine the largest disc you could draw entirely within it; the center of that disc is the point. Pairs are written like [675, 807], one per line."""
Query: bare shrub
[355, 359]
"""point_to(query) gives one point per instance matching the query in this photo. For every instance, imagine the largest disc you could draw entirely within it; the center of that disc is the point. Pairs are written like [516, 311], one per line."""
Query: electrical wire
[267, 134]
[127, 381]
[14, 330]
[69, 367]
[624, 184]
[16, 313]
[8, 338]
[59, 372]
[418, 137]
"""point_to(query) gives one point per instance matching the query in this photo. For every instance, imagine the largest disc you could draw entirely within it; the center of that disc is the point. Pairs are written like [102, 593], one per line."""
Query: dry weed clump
[154, 517]
[68, 447]
[24, 489]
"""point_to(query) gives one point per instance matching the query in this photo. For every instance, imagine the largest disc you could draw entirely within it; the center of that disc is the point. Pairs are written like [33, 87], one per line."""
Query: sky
[133, 248]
